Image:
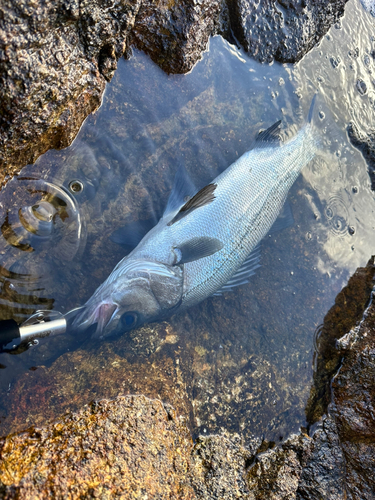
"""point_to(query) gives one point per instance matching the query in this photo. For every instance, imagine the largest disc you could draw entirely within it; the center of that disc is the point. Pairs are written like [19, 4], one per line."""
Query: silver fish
[205, 245]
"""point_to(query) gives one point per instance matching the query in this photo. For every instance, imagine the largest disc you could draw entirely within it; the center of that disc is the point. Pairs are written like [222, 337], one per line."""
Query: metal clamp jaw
[39, 325]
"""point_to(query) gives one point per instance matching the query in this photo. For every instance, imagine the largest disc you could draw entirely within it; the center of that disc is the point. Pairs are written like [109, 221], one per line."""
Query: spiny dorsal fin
[268, 137]
[202, 198]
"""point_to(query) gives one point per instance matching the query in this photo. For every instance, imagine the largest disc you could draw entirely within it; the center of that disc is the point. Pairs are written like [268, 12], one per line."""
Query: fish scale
[249, 197]
[199, 246]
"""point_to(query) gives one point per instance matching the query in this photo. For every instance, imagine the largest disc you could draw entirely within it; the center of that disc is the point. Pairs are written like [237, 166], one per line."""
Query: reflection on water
[242, 361]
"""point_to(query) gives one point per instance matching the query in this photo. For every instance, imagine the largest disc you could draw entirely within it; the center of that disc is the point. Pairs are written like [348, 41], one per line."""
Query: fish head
[136, 292]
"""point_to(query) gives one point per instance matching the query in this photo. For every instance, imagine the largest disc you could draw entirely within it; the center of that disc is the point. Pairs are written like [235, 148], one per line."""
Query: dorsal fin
[202, 198]
[269, 137]
[183, 189]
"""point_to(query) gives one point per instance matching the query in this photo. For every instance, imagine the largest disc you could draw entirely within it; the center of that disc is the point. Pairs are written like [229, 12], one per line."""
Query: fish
[207, 241]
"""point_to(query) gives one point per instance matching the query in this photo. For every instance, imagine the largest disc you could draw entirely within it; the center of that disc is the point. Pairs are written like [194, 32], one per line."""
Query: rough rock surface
[130, 447]
[365, 142]
[56, 56]
[340, 319]
[135, 447]
[282, 30]
[353, 406]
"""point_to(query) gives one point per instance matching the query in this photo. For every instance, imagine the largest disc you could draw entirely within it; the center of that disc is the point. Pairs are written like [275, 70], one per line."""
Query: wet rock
[353, 408]
[365, 142]
[137, 446]
[222, 460]
[324, 469]
[131, 447]
[348, 310]
[175, 34]
[284, 30]
[57, 56]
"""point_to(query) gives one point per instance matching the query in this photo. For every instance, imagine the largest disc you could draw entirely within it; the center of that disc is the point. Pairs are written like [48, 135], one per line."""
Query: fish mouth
[101, 315]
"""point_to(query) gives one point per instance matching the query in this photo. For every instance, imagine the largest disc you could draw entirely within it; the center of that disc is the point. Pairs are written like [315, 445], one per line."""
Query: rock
[365, 142]
[353, 408]
[348, 310]
[324, 469]
[131, 447]
[284, 30]
[58, 55]
[175, 34]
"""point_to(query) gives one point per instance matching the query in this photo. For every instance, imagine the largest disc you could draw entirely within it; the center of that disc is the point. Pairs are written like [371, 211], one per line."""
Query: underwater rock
[58, 55]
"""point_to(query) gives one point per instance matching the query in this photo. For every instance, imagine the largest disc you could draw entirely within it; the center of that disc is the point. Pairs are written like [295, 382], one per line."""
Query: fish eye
[129, 320]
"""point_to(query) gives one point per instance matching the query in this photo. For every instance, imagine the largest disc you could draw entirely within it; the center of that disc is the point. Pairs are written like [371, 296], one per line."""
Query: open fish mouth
[101, 315]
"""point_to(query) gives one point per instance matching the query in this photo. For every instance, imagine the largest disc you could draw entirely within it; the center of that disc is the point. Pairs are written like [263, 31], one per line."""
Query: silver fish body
[194, 251]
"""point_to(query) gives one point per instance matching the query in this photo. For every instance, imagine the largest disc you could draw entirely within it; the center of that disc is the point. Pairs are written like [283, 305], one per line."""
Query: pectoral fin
[285, 219]
[196, 249]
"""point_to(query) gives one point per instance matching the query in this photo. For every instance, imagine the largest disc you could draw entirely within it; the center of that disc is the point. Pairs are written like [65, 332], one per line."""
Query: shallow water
[243, 361]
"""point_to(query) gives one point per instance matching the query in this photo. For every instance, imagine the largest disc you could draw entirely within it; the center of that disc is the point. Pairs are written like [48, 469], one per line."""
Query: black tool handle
[9, 331]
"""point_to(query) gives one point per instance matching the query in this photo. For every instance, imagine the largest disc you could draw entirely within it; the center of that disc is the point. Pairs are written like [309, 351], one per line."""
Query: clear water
[241, 362]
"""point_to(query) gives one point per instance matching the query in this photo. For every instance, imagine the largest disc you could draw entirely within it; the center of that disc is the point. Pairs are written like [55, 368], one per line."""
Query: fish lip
[102, 314]
[105, 312]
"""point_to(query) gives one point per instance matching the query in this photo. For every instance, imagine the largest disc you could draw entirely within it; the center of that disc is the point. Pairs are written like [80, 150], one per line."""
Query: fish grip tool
[40, 325]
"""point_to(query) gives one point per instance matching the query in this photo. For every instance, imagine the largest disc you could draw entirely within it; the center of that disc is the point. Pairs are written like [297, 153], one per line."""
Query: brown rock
[55, 59]
[130, 448]
[284, 30]
[349, 306]
[353, 406]
[175, 34]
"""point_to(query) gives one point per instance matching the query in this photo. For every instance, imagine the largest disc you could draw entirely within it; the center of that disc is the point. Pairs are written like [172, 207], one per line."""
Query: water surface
[241, 362]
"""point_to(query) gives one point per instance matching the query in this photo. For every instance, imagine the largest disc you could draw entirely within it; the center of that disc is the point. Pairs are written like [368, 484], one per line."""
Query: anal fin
[242, 275]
